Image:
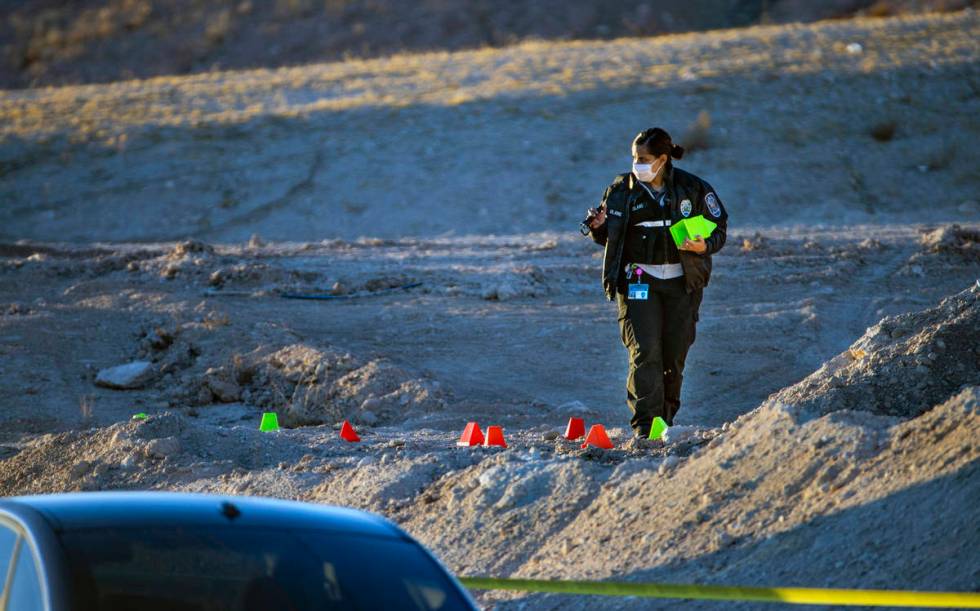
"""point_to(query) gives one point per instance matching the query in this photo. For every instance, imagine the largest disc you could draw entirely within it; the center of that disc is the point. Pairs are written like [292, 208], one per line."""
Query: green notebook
[690, 227]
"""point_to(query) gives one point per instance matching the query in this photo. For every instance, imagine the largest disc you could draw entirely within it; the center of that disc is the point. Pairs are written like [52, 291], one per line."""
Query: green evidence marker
[658, 428]
[270, 422]
[140, 416]
[690, 227]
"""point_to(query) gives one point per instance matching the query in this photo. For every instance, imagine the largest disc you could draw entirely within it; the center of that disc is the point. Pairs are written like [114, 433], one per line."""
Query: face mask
[644, 171]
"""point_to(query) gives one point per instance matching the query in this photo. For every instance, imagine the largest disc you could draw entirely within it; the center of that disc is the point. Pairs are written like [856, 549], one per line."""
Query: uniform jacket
[683, 190]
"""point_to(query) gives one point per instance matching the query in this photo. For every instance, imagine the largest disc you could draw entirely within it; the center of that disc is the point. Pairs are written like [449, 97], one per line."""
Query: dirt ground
[831, 407]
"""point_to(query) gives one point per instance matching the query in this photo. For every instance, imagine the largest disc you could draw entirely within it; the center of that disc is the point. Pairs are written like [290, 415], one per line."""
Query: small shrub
[697, 136]
[883, 131]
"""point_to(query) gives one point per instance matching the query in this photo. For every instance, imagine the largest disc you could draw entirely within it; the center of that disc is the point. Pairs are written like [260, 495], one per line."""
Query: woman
[657, 284]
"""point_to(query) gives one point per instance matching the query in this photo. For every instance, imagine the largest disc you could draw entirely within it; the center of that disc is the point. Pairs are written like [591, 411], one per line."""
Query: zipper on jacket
[622, 239]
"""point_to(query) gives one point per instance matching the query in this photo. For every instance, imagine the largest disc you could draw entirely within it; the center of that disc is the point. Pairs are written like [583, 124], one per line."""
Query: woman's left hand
[697, 245]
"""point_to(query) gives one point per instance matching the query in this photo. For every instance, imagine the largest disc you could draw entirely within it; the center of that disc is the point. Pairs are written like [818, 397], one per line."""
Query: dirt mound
[210, 360]
[321, 387]
[900, 366]
[846, 487]
[167, 451]
[962, 241]
[124, 455]
[942, 250]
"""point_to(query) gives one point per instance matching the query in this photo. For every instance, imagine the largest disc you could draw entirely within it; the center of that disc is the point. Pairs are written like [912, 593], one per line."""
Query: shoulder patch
[711, 201]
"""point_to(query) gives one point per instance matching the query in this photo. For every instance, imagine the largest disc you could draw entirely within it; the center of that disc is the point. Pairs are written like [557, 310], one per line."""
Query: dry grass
[214, 320]
[86, 406]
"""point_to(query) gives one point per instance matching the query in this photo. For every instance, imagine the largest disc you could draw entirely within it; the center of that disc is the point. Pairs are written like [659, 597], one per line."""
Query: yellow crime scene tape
[793, 596]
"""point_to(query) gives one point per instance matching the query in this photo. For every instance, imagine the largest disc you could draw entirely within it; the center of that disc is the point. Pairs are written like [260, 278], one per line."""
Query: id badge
[638, 291]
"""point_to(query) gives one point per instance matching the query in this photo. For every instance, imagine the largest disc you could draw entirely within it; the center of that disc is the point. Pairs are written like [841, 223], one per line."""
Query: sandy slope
[511, 141]
[46, 42]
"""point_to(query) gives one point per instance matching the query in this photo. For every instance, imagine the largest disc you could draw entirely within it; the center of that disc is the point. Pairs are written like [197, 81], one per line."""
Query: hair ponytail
[658, 142]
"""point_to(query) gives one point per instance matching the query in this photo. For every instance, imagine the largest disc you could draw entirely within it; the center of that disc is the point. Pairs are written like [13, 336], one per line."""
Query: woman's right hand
[598, 217]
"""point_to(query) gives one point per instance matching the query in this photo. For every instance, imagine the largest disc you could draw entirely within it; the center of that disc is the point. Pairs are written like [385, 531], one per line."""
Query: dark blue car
[156, 551]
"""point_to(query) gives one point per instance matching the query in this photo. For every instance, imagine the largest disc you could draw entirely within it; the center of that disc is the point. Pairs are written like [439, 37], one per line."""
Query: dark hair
[657, 141]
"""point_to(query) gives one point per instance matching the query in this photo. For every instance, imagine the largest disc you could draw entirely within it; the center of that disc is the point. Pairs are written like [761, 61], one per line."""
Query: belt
[664, 272]
[654, 224]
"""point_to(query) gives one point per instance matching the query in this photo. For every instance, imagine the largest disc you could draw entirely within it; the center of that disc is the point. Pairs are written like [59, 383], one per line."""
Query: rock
[500, 292]
[371, 404]
[182, 249]
[367, 417]
[128, 376]
[550, 436]
[573, 407]
[120, 439]
[679, 433]
[18, 309]
[640, 444]
[226, 392]
[204, 395]
[161, 339]
[162, 448]
[81, 469]
[669, 463]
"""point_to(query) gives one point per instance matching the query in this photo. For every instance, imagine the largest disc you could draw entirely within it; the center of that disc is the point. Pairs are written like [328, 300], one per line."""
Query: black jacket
[681, 187]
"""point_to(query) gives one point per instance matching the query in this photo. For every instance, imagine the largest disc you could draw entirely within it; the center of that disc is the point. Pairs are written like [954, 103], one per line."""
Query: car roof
[77, 510]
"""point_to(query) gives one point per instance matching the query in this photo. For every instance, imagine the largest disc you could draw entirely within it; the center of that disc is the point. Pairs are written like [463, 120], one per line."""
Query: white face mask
[644, 171]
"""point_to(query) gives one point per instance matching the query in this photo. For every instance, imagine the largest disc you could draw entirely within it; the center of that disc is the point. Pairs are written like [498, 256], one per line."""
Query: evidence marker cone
[347, 432]
[597, 437]
[270, 422]
[140, 416]
[658, 428]
[575, 428]
[495, 437]
[472, 436]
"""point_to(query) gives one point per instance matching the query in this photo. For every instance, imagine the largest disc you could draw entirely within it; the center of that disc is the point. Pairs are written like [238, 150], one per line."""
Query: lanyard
[659, 200]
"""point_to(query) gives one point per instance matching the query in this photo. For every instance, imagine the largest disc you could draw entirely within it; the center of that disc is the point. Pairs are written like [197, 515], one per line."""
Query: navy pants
[657, 333]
